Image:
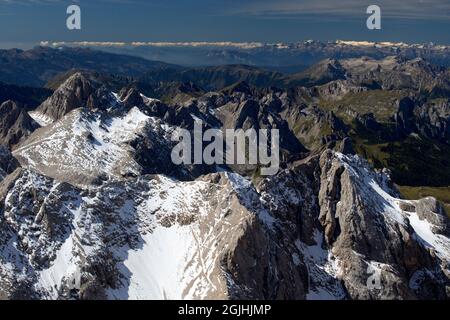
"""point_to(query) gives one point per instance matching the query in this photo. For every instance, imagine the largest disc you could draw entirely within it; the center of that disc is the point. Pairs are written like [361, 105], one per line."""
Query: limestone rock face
[374, 245]
[328, 227]
[78, 91]
[370, 230]
[147, 238]
[15, 124]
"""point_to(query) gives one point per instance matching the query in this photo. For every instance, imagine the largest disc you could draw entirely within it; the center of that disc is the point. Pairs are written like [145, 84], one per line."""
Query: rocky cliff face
[15, 124]
[78, 91]
[147, 238]
[318, 230]
[367, 226]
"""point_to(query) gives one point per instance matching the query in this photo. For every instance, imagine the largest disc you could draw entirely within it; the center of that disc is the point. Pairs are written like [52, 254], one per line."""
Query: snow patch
[42, 119]
[428, 238]
[323, 269]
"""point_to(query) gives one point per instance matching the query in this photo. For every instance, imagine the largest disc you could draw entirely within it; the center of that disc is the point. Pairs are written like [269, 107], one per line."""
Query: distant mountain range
[37, 66]
[283, 57]
[43, 65]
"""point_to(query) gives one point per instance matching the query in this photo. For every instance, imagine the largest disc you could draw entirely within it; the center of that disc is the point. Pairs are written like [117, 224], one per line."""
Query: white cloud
[240, 45]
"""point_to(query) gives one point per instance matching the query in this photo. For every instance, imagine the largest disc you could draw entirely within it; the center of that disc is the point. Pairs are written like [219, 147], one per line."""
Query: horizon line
[237, 44]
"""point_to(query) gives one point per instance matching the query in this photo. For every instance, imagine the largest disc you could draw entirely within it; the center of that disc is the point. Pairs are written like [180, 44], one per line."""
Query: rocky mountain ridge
[289, 238]
[91, 206]
[283, 57]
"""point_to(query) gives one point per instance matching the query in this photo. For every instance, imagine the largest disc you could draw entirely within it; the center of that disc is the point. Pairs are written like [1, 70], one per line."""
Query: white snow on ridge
[170, 261]
[323, 269]
[391, 205]
[369, 184]
[238, 182]
[123, 129]
[66, 267]
[40, 118]
[423, 230]
[84, 142]
[148, 100]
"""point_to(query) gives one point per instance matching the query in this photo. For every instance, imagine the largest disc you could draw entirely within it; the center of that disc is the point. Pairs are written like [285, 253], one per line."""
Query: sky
[24, 23]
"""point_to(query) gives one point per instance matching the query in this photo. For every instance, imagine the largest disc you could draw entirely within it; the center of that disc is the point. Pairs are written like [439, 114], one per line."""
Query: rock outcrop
[15, 124]
[78, 91]
[328, 227]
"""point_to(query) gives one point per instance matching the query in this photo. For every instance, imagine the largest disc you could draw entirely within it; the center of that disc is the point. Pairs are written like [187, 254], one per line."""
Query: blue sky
[27, 22]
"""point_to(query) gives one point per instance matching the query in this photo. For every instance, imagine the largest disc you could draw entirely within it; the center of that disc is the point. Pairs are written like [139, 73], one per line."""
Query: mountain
[15, 124]
[37, 66]
[292, 237]
[321, 73]
[287, 56]
[389, 73]
[97, 145]
[392, 108]
[46, 66]
[77, 91]
[92, 206]
[388, 107]
[216, 77]
[392, 72]
[28, 97]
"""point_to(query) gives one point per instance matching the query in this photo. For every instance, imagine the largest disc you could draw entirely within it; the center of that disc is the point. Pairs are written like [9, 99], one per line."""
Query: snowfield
[84, 145]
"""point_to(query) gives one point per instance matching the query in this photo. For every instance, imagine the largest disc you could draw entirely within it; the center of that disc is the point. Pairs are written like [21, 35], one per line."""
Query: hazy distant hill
[37, 66]
[288, 56]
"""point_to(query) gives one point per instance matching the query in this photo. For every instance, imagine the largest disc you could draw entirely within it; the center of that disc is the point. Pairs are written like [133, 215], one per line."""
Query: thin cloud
[408, 9]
